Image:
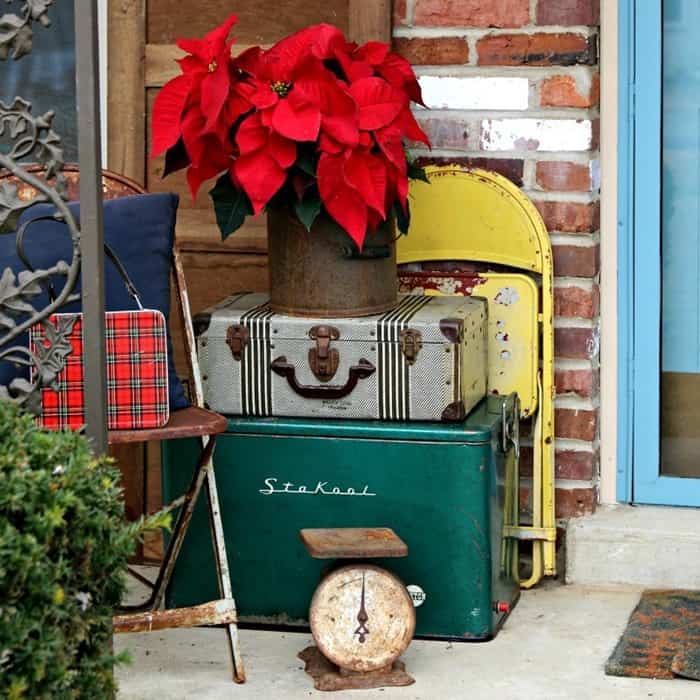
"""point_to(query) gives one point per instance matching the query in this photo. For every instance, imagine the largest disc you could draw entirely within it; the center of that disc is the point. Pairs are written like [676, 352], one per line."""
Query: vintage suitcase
[447, 489]
[423, 360]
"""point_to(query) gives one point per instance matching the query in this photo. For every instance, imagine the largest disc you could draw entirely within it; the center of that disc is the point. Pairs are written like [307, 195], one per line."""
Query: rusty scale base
[358, 592]
[328, 676]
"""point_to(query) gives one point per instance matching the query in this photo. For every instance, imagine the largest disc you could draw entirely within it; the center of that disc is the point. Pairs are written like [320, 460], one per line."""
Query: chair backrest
[113, 184]
[474, 215]
[481, 217]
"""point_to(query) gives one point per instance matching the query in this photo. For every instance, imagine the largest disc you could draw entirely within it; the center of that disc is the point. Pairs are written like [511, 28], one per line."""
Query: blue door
[664, 222]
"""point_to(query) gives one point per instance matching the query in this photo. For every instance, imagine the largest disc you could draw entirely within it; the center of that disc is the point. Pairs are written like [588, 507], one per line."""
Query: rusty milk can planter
[322, 272]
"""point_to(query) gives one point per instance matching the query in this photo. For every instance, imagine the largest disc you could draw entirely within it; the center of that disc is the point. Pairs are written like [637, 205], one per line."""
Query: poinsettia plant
[315, 122]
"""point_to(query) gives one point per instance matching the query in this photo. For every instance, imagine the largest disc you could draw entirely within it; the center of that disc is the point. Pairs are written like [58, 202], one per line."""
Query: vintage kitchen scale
[362, 617]
[447, 485]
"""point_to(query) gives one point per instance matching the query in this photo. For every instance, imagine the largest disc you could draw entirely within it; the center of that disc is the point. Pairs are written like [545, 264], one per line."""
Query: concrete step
[635, 545]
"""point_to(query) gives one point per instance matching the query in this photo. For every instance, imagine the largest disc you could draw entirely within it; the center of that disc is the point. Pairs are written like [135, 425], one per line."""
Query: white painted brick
[536, 134]
[595, 174]
[444, 92]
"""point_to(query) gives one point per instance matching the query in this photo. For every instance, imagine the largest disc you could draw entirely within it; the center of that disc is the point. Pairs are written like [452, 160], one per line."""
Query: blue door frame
[639, 262]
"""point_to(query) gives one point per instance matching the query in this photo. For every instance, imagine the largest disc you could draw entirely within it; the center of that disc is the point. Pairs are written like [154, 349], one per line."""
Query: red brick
[569, 503]
[450, 50]
[577, 424]
[400, 13]
[570, 217]
[576, 302]
[562, 91]
[575, 503]
[582, 382]
[575, 465]
[512, 168]
[472, 13]
[568, 464]
[576, 261]
[446, 133]
[563, 176]
[575, 343]
[595, 136]
[536, 50]
[568, 12]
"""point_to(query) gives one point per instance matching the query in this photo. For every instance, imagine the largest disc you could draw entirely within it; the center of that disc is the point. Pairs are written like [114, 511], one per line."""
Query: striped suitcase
[423, 360]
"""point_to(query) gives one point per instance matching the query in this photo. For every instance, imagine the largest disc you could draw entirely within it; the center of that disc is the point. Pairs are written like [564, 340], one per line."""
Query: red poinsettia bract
[313, 122]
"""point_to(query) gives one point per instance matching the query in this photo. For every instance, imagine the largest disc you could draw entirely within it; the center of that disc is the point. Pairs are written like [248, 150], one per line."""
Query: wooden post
[369, 20]
[126, 97]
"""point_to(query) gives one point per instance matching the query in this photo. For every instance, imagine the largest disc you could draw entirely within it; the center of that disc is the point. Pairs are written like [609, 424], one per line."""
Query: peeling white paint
[442, 92]
[536, 134]
[507, 296]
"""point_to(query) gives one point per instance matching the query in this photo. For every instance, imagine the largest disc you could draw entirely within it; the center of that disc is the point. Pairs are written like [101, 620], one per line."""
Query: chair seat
[185, 423]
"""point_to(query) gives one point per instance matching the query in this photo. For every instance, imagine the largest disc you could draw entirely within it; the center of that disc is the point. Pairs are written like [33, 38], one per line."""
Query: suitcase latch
[237, 338]
[323, 359]
[411, 343]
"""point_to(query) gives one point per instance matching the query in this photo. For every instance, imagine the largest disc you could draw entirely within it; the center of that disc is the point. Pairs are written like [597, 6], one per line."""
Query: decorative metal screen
[27, 138]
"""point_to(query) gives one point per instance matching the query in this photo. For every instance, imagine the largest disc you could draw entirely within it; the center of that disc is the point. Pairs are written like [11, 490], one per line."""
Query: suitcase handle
[361, 370]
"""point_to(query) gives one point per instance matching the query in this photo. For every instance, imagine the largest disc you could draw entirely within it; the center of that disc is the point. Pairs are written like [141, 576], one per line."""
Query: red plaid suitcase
[137, 373]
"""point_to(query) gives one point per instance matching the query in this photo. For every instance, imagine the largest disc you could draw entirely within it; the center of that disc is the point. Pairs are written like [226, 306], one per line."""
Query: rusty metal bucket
[321, 273]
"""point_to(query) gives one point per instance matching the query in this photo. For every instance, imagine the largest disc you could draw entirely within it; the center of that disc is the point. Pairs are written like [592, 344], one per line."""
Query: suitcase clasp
[323, 359]
[411, 343]
[237, 338]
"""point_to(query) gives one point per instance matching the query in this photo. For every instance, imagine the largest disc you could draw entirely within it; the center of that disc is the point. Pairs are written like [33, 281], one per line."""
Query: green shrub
[64, 545]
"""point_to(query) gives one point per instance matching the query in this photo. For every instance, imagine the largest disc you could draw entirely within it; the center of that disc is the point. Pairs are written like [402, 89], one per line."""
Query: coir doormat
[662, 639]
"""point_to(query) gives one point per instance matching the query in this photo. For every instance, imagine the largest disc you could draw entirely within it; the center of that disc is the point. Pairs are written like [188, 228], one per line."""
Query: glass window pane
[46, 77]
[680, 312]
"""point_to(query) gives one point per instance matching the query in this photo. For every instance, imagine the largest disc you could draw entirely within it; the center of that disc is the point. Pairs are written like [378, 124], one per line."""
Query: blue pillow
[141, 230]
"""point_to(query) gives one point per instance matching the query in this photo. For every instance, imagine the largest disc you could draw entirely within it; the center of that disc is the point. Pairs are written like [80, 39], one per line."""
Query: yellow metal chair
[481, 217]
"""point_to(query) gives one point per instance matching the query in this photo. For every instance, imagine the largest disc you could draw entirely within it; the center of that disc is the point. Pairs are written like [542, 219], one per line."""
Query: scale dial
[362, 617]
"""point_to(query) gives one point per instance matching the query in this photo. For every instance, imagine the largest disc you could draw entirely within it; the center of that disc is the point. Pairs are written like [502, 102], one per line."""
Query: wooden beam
[161, 66]
[369, 20]
[160, 63]
[126, 99]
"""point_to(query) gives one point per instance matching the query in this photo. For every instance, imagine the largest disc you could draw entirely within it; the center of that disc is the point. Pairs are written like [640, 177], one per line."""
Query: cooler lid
[478, 428]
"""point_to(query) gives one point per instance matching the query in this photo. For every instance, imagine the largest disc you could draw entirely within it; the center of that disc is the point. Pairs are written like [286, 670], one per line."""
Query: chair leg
[221, 612]
[179, 531]
[222, 571]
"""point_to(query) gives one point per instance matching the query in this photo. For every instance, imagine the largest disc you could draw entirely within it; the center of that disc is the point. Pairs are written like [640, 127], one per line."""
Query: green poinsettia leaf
[403, 218]
[415, 172]
[307, 210]
[305, 163]
[230, 205]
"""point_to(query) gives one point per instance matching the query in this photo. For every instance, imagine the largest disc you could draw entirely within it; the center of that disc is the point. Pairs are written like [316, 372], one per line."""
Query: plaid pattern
[137, 374]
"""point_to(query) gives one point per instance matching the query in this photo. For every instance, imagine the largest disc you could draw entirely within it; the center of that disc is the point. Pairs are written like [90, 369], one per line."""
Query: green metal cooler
[446, 489]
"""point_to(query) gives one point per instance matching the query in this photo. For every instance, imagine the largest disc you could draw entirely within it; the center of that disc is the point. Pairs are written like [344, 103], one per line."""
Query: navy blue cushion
[141, 230]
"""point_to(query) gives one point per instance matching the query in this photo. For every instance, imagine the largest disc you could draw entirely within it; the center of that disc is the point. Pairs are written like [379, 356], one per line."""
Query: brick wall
[513, 86]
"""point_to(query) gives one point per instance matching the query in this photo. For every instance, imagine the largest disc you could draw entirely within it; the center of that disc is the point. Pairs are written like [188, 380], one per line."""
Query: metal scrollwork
[28, 139]
[16, 33]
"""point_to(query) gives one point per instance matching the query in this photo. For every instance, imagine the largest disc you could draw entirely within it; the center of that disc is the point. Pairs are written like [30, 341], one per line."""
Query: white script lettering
[321, 489]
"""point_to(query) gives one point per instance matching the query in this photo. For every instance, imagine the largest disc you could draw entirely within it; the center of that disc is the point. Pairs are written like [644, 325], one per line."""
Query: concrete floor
[554, 646]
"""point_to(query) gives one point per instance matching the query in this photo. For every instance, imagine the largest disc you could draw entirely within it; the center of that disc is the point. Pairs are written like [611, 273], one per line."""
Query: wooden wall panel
[126, 99]
[259, 21]
[211, 277]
